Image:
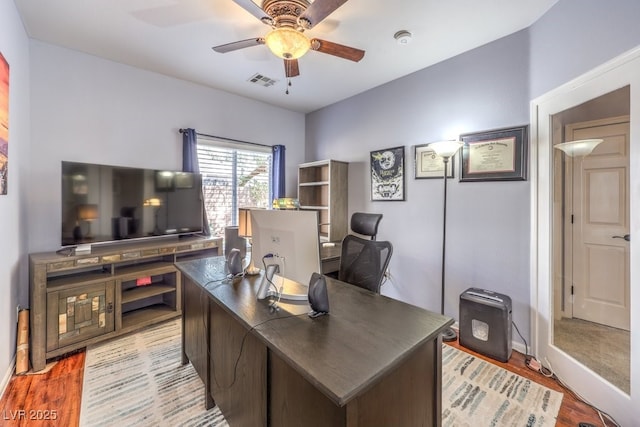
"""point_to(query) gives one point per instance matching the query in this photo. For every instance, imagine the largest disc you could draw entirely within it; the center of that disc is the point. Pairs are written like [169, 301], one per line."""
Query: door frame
[621, 71]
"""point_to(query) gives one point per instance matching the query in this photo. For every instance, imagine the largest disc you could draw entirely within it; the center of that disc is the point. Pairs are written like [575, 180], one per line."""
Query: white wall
[89, 109]
[14, 46]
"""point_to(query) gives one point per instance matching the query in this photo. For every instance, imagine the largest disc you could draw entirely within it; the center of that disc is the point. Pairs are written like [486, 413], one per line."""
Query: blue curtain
[190, 151]
[277, 172]
[190, 164]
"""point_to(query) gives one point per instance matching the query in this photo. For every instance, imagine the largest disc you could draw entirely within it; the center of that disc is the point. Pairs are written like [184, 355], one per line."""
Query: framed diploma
[429, 165]
[496, 155]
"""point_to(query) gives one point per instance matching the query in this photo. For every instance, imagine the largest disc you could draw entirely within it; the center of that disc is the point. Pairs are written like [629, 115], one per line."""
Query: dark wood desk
[371, 361]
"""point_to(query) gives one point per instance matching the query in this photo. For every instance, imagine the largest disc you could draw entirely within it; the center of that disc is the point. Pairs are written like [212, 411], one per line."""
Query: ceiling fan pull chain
[288, 84]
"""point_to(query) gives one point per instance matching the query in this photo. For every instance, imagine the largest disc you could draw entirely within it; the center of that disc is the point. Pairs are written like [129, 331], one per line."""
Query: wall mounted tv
[102, 203]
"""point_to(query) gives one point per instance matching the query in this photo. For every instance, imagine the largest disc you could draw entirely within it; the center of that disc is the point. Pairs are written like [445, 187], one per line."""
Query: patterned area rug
[138, 380]
[478, 393]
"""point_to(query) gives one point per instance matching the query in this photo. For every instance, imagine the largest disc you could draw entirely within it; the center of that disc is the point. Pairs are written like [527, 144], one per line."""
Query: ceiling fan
[289, 19]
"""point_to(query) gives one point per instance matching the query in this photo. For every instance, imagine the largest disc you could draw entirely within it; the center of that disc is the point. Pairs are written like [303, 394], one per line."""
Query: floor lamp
[571, 149]
[578, 148]
[446, 150]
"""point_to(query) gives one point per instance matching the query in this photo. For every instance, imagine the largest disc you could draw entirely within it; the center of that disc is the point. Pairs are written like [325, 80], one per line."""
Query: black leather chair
[363, 262]
[365, 224]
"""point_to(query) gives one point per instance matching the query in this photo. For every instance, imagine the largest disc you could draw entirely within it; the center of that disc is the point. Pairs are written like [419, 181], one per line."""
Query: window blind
[233, 176]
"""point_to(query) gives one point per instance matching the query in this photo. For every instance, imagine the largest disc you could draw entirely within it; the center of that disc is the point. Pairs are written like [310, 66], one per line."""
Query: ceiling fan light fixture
[287, 43]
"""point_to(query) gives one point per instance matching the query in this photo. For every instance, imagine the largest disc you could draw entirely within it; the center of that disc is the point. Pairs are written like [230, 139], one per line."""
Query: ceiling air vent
[261, 80]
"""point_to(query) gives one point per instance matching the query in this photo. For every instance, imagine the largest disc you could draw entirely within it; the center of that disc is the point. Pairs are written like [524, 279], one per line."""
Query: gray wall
[488, 223]
[14, 46]
[483, 89]
[89, 109]
[578, 35]
[79, 107]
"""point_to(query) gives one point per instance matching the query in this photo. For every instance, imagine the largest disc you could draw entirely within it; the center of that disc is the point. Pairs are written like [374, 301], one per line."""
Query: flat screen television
[103, 203]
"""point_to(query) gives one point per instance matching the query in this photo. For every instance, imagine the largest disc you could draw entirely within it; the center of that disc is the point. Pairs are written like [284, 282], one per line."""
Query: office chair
[365, 224]
[363, 262]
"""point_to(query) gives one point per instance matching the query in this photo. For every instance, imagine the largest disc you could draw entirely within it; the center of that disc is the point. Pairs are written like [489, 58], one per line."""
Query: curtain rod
[228, 139]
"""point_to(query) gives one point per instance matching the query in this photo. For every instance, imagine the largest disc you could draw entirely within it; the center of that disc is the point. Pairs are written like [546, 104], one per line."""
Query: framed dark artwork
[495, 155]
[4, 124]
[429, 165]
[387, 174]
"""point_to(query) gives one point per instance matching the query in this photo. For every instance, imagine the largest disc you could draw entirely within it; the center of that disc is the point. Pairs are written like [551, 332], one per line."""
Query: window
[234, 175]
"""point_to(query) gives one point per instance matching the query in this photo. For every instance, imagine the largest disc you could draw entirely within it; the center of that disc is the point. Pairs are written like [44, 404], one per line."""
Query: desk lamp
[155, 203]
[88, 213]
[244, 230]
[446, 150]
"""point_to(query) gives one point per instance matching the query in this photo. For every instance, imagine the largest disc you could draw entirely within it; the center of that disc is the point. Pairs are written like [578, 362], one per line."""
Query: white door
[620, 72]
[600, 223]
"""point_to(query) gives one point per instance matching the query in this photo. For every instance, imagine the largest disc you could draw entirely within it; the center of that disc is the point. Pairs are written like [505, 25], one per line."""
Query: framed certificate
[429, 165]
[496, 155]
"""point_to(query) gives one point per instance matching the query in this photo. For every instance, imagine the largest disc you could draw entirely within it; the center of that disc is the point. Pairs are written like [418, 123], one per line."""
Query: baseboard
[515, 345]
[7, 376]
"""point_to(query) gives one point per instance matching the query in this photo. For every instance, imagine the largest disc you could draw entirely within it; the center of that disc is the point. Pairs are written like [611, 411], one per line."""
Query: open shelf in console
[78, 278]
[147, 292]
[150, 315]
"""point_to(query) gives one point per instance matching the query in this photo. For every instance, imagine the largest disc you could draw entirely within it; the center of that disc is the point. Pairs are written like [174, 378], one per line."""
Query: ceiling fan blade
[318, 10]
[255, 10]
[291, 68]
[229, 47]
[335, 49]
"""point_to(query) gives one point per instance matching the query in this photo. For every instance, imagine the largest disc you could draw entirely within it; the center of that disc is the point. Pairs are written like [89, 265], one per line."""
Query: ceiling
[174, 37]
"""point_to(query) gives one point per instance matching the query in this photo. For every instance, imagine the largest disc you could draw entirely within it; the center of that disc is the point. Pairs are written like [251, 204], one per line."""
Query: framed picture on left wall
[387, 174]
[4, 124]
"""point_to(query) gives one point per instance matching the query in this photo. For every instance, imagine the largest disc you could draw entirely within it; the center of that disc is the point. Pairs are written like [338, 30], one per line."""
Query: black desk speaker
[485, 323]
[317, 295]
[234, 262]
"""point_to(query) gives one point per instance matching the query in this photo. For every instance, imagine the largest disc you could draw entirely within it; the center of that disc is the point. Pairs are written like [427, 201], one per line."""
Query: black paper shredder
[485, 323]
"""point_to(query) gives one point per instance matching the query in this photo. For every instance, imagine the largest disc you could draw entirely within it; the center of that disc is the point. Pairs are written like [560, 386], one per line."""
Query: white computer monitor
[292, 236]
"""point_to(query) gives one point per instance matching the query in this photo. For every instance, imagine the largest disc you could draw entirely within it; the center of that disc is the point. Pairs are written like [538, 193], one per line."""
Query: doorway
[593, 320]
[597, 205]
[581, 272]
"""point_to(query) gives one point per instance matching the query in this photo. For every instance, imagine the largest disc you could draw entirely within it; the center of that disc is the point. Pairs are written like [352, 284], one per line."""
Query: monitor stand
[265, 291]
[290, 297]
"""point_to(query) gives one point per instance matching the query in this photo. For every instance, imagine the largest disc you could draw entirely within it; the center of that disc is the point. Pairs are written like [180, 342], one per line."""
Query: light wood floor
[57, 393]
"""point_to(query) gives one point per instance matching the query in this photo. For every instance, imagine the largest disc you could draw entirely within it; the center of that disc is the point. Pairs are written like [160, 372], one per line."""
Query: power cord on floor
[534, 364]
[386, 276]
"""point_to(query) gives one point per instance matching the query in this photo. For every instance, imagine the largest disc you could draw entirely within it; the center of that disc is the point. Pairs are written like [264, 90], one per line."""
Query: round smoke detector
[403, 37]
